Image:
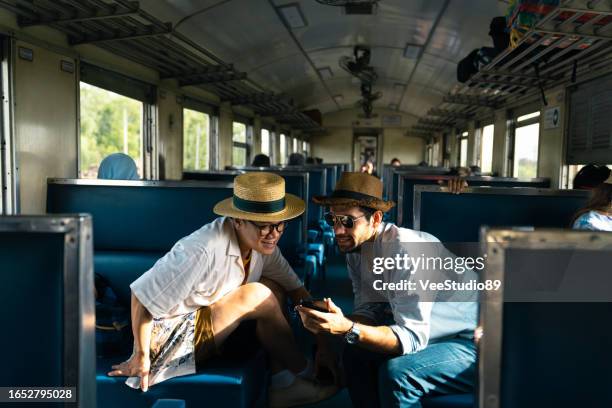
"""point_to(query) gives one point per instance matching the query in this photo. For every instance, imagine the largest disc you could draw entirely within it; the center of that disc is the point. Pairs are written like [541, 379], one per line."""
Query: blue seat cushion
[123, 268]
[221, 383]
[449, 401]
[318, 250]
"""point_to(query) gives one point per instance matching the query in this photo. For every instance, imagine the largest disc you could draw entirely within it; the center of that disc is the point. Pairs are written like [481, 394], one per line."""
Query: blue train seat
[550, 278]
[45, 287]
[134, 224]
[464, 214]
[406, 183]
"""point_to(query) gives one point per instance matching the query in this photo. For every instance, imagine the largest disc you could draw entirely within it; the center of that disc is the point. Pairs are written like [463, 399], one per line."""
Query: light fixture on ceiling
[325, 72]
[413, 51]
[339, 99]
[292, 15]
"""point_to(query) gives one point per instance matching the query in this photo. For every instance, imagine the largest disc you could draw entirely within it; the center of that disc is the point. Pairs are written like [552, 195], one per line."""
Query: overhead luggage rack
[124, 28]
[573, 39]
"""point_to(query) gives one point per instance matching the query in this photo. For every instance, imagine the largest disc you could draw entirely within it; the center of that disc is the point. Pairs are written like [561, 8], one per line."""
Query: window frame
[248, 138]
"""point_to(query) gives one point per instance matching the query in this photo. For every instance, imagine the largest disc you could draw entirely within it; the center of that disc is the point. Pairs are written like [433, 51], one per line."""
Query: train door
[365, 148]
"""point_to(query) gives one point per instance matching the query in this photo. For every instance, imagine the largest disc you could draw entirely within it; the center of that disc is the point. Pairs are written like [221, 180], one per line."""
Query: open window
[241, 143]
[116, 116]
[525, 145]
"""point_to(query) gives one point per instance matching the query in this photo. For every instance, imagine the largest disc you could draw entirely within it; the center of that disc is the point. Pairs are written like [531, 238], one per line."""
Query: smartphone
[313, 304]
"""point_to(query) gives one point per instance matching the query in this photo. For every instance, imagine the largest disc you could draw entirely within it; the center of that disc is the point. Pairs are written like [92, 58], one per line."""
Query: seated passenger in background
[475, 171]
[261, 160]
[423, 164]
[597, 215]
[296, 159]
[318, 160]
[395, 162]
[399, 347]
[118, 166]
[310, 160]
[590, 176]
[229, 271]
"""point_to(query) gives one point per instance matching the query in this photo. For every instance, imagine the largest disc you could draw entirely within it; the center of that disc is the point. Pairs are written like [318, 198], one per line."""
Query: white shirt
[415, 323]
[203, 267]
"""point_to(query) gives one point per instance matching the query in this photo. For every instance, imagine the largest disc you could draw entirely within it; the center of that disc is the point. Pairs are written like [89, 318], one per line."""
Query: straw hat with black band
[260, 197]
[357, 190]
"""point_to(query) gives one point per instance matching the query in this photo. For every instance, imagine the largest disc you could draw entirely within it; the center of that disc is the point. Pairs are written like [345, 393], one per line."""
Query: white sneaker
[301, 392]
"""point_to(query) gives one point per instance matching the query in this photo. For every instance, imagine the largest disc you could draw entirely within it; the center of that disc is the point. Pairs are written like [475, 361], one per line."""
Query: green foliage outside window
[196, 127]
[110, 123]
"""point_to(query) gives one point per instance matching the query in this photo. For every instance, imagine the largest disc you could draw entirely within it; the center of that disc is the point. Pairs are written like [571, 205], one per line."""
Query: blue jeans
[376, 380]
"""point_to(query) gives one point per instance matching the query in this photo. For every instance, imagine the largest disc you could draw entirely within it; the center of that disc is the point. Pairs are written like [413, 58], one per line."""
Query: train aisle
[336, 286]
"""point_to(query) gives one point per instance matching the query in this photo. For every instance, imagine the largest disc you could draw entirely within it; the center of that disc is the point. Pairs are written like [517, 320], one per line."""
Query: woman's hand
[137, 365]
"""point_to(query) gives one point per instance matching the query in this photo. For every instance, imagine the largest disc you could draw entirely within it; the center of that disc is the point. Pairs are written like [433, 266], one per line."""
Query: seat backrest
[391, 184]
[549, 278]
[221, 175]
[46, 290]
[138, 215]
[407, 182]
[459, 217]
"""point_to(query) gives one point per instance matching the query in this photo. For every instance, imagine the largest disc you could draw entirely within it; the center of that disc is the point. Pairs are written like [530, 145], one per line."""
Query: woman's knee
[257, 296]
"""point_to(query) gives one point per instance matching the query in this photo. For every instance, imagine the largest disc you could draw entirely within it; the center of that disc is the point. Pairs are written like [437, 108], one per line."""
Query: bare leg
[256, 301]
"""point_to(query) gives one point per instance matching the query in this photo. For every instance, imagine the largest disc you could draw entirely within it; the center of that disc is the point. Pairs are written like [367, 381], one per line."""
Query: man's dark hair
[310, 160]
[369, 212]
[261, 160]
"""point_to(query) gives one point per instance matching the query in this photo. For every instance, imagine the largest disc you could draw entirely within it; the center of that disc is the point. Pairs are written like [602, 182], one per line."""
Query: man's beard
[354, 249]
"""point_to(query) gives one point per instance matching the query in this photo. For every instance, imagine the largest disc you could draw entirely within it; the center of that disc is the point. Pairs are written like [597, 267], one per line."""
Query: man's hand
[332, 322]
[137, 365]
[455, 185]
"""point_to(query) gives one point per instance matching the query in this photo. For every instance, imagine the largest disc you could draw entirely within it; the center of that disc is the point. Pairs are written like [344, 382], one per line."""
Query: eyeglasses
[268, 228]
[346, 220]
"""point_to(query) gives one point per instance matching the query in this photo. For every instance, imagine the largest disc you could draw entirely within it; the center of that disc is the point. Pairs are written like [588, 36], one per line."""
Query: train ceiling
[280, 57]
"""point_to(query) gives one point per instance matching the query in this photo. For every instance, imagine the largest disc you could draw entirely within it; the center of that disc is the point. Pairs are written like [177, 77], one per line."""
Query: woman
[597, 215]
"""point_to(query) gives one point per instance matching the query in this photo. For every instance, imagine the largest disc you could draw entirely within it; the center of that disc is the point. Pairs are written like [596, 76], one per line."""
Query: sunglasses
[346, 220]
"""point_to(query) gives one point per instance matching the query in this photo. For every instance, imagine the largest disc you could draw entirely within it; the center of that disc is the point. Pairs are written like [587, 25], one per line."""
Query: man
[395, 162]
[400, 348]
[229, 271]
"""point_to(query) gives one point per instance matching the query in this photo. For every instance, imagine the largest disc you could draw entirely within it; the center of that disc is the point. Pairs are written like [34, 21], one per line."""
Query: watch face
[351, 338]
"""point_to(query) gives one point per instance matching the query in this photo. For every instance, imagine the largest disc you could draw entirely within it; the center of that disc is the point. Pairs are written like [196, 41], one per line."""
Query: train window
[486, 148]
[295, 145]
[196, 140]
[305, 148]
[110, 123]
[436, 154]
[240, 148]
[526, 140]
[283, 149]
[463, 149]
[265, 142]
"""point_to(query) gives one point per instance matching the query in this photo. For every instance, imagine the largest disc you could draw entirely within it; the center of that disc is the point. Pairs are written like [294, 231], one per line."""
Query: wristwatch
[352, 336]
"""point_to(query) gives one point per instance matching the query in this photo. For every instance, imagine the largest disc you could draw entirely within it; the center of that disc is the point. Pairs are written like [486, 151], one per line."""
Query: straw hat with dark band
[260, 197]
[357, 189]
